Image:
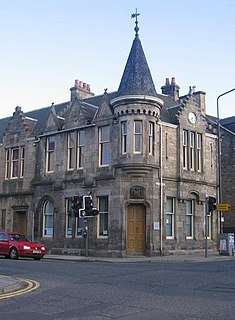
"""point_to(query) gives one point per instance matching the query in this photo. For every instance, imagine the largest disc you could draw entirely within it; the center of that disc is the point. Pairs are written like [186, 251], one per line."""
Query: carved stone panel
[137, 192]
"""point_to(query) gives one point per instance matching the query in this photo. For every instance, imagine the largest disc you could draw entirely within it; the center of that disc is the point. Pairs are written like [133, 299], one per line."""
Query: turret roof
[136, 78]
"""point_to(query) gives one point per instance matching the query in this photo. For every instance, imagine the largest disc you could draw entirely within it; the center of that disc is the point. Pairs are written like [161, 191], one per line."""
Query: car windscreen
[18, 237]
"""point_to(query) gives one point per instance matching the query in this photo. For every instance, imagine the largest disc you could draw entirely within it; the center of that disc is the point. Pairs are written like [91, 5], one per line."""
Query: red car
[14, 245]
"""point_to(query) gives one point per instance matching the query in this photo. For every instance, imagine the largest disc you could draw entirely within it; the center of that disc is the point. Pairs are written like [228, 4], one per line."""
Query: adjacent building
[148, 159]
[228, 172]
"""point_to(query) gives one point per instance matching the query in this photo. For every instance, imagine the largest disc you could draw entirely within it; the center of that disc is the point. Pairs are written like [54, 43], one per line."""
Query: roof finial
[135, 15]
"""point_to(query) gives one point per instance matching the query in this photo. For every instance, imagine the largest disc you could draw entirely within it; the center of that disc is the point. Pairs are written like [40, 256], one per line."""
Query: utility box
[226, 244]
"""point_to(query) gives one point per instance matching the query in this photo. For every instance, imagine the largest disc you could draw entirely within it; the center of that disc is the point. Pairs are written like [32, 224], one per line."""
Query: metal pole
[86, 237]
[219, 176]
[206, 224]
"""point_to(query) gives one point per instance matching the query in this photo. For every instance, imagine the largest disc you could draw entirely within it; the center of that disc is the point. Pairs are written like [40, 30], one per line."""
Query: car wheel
[13, 253]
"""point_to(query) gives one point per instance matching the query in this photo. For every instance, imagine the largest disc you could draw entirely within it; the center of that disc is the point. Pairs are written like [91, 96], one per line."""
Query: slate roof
[136, 78]
[229, 123]
[41, 115]
[168, 112]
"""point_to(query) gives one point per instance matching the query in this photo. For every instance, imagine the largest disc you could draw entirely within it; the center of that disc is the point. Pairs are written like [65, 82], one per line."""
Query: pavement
[10, 284]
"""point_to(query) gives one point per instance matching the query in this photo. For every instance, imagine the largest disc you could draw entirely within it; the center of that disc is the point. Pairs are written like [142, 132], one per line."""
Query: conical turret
[136, 90]
[136, 78]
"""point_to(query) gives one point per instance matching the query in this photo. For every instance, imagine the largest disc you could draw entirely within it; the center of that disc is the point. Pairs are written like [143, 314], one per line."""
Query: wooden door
[135, 229]
[20, 222]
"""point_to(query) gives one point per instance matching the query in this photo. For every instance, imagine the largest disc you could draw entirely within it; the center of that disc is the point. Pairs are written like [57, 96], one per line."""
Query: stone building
[228, 171]
[147, 158]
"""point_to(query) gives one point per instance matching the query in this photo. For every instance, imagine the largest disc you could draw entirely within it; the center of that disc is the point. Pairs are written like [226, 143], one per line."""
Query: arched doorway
[135, 240]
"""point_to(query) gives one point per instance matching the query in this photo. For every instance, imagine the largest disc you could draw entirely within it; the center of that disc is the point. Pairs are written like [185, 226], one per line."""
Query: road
[140, 291]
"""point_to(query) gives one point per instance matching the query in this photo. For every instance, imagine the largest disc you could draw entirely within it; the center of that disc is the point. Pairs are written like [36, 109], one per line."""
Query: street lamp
[219, 177]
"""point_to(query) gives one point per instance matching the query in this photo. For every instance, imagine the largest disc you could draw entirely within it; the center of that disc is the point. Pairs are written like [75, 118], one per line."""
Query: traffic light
[76, 204]
[211, 204]
[87, 210]
[88, 204]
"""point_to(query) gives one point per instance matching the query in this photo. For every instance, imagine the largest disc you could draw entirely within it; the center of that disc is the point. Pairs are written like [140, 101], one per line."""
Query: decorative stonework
[137, 192]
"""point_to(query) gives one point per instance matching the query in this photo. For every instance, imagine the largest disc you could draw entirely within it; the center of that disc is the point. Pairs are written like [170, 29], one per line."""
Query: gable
[18, 128]
[104, 110]
[80, 114]
[52, 121]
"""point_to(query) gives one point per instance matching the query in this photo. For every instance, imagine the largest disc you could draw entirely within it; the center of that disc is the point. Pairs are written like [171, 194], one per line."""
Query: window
[22, 162]
[151, 138]
[50, 154]
[124, 137]
[199, 152]
[104, 146]
[3, 237]
[69, 222]
[189, 218]
[103, 217]
[71, 150]
[192, 151]
[138, 136]
[15, 163]
[48, 219]
[14, 167]
[76, 142]
[170, 209]
[185, 149]
[7, 168]
[81, 143]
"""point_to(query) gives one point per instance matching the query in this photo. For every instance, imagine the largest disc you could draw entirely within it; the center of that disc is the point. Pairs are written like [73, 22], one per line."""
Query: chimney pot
[173, 81]
[80, 84]
[167, 81]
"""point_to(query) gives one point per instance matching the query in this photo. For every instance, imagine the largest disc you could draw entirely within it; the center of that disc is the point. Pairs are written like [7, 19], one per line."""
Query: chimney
[171, 89]
[81, 90]
[200, 97]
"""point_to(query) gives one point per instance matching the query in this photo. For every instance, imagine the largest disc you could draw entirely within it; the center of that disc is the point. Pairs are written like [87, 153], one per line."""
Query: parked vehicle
[14, 245]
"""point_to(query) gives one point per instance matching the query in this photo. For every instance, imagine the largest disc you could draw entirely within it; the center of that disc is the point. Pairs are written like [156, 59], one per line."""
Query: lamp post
[219, 177]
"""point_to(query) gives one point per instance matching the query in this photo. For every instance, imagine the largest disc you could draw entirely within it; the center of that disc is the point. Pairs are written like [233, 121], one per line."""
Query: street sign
[223, 207]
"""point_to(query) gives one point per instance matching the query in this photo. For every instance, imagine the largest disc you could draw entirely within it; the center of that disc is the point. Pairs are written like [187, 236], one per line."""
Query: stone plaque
[137, 193]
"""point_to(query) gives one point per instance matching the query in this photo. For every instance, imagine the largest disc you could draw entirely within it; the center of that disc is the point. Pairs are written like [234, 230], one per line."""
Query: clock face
[192, 117]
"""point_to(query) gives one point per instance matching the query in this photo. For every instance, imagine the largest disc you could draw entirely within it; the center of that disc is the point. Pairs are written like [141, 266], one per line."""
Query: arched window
[48, 219]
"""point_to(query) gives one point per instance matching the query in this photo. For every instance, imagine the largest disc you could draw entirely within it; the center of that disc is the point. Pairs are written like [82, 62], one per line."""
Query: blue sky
[47, 44]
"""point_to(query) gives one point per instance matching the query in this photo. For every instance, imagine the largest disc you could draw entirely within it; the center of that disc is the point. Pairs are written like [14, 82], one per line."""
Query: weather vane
[135, 15]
